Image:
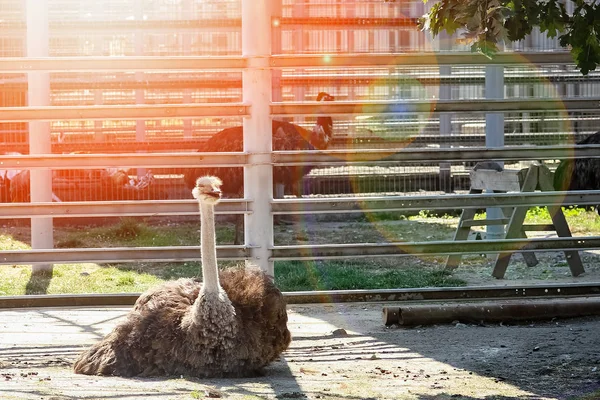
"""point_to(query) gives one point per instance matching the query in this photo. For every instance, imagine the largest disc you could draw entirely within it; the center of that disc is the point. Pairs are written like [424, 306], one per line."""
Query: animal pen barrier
[538, 129]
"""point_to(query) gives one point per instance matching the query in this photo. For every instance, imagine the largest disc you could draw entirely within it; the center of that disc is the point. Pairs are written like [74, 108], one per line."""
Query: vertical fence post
[187, 12]
[299, 46]
[98, 50]
[445, 177]
[38, 94]
[494, 134]
[258, 173]
[276, 47]
[138, 40]
[351, 13]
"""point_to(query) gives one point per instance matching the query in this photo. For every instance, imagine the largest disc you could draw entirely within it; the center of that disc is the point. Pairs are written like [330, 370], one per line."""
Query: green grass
[290, 276]
[74, 278]
[364, 273]
[355, 274]
[579, 219]
[590, 396]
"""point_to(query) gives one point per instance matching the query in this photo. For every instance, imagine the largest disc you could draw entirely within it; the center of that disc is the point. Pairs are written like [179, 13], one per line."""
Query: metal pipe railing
[429, 106]
[77, 209]
[179, 63]
[115, 112]
[435, 202]
[370, 250]
[281, 158]
[418, 58]
[299, 206]
[297, 252]
[117, 254]
[516, 153]
[165, 111]
[89, 161]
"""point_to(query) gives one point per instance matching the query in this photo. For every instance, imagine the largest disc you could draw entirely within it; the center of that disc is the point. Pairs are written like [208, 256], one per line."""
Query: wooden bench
[491, 177]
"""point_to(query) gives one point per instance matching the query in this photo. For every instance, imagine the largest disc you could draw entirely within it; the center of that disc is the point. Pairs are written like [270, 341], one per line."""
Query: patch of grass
[590, 396]
[9, 242]
[136, 233]
[580, 219]
[128, 228]
[74, 278]
[172, 271]
[404, 215]
[126, 280]
[353, 274]
[290, 276]
[364, 273]
[422, 214]
[385, 216]
[70, 243]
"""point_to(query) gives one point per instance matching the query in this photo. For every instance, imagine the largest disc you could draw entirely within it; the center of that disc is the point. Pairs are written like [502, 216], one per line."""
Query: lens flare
[530, 126]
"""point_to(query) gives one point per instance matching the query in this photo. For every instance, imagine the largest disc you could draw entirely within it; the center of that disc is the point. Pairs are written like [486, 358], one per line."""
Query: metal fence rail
[71, 161]
[281, 158]
[188, 63]
[396, 107]
[147, 112]
[299, 206]
[297, 252]
[516, 153]
[153, 208]
[547, 290]
[129, 63]
[117, 254]
[368, 250]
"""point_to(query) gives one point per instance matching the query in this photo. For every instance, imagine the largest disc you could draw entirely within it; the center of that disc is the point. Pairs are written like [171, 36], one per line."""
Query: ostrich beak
[215, 193]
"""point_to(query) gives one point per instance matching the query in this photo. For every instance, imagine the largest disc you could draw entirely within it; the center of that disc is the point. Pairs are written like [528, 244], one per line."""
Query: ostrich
[579, 174]
[286, 136]
[230, 325]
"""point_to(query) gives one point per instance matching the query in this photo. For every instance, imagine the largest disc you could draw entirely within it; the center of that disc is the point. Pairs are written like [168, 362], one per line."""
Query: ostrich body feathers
[579, 174]
[232, 333]
[286, 136]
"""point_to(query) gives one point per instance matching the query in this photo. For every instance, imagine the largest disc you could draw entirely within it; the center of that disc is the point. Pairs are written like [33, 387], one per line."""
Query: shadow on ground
[555, 359]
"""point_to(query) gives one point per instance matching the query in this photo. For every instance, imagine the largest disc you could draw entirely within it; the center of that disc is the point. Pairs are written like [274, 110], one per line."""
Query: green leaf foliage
[485, 23]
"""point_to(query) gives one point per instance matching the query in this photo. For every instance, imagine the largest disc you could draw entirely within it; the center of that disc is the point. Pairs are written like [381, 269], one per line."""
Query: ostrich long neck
[208, 245]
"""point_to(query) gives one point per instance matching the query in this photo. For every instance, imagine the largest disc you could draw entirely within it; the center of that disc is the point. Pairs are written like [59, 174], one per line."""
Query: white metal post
[258, 174]
[276, 47]
[299, 44]
[494, 134]
[140, 124]
[187, 50]
[38, 94]
[97, 13]
[350, 6]
[445, 177]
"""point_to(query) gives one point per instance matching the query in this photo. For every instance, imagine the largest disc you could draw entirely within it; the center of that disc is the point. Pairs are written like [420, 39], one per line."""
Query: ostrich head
[323, 129]
[207, 190]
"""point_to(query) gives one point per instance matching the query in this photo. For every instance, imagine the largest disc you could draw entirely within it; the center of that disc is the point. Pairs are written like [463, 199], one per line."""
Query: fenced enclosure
[105, 106]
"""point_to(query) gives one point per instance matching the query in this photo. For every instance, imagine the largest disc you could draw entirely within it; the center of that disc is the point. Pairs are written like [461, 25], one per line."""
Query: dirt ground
[550, 360]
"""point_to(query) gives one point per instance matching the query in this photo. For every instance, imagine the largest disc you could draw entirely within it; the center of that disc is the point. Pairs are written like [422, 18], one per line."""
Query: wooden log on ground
[491, 311]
